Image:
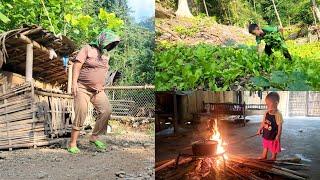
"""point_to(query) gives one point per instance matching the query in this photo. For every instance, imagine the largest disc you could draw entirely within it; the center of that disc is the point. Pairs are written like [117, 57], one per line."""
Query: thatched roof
[13, 53]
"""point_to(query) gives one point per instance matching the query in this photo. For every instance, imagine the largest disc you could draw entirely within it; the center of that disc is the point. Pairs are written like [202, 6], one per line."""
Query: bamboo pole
[277, 14]
[205, 7]
[29, 62]
[43, 93]
[69, 78]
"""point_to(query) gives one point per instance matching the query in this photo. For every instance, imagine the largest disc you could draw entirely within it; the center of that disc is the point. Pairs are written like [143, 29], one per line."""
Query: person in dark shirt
[271, 127]
[272, 37]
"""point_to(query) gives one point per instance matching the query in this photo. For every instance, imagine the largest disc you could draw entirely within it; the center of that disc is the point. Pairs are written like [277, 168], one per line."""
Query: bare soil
[195, 31]
[130, 155]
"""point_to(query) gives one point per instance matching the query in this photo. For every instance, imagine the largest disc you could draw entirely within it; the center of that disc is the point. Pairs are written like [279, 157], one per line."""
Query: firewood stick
[182, 171]
[275, 166]
[234, 173]
[243, 174]
[284, 163]
[293, 160]
[267, 168]
[171, 162]
[157, 164]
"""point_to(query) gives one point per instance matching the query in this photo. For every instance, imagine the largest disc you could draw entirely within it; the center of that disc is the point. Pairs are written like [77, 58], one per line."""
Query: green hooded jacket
[107, 39]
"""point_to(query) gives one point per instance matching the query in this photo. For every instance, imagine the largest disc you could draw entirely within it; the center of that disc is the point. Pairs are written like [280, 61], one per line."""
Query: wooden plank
[39, 143]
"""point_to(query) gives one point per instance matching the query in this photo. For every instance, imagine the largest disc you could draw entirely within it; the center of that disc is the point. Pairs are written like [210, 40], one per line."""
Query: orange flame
[216, 137]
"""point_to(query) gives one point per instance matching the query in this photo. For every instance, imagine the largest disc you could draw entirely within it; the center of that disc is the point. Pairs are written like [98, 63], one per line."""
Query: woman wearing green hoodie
[88, 80]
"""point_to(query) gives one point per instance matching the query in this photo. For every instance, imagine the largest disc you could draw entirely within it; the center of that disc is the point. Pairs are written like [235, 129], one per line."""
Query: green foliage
[309, 51]
[83, 20]
[134, 56]
[4, 18]
[182, 30]
[273, 39]
[290, 11]
[226, 68]
[74, 18]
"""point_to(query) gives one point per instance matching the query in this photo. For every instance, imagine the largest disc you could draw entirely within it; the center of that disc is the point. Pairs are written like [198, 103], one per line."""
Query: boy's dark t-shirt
[270, 127]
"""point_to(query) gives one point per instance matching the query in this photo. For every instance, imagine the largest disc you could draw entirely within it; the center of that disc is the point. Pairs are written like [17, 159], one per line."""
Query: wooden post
[29, 62]
[69, 78]
[175, 112]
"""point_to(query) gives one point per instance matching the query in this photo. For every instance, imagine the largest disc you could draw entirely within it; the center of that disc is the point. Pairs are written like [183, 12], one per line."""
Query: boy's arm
[261, 125]
[279, 132]
[279, 121]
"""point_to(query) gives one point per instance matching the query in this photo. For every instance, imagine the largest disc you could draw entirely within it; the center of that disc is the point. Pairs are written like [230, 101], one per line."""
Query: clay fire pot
[207, 148]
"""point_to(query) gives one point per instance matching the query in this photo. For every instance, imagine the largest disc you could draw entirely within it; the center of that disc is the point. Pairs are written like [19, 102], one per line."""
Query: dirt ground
[130, 155]
[203, 32]
[300, 138]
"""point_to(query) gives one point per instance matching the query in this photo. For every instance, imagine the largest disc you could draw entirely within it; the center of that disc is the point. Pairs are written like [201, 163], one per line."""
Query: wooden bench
[218, 110]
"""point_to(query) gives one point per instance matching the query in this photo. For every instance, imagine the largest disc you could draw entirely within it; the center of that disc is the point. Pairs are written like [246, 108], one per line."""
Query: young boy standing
[272, 38]
[271, 127]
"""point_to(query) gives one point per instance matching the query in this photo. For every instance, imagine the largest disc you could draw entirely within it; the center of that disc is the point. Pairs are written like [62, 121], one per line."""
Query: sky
[142, 9]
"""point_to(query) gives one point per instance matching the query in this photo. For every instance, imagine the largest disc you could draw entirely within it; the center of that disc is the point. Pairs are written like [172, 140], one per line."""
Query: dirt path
[130, 155]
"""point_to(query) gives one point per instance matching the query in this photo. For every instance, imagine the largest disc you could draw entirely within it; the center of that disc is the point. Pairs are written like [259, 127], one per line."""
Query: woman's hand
[277, 138]
[74, 88]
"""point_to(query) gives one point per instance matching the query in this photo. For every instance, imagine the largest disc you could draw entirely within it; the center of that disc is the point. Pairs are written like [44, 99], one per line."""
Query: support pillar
[29, 62]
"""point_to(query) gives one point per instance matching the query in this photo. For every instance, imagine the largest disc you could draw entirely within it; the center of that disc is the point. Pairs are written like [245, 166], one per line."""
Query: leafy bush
[187, 31]
[231, 68]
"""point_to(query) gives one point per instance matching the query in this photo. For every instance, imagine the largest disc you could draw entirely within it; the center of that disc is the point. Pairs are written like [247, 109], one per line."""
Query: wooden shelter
[178, 107]
[35, 106]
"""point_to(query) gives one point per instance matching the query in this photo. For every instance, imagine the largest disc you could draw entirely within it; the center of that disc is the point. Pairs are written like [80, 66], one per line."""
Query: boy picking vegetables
[272, 37]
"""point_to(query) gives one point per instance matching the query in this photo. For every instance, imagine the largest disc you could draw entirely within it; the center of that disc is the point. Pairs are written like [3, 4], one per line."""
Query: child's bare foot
[274, 156]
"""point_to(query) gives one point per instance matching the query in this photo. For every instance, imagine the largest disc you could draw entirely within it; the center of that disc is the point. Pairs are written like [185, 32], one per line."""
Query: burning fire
[216, 137]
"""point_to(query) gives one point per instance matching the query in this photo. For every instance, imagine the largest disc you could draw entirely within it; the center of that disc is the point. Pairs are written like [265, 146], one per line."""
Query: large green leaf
[260, 81]
[4, 18]
[279, 77]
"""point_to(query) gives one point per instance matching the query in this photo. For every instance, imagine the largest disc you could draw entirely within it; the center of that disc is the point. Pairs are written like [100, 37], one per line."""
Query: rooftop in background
[44, 69]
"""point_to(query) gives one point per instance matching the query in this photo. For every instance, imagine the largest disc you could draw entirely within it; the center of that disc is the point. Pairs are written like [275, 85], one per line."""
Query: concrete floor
[300, 137]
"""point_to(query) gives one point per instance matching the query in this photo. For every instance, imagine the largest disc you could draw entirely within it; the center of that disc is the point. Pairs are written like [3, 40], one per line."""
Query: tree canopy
[241, 12]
